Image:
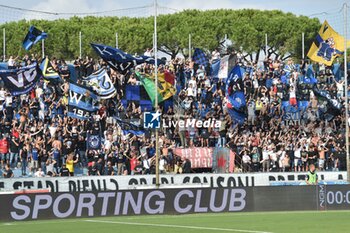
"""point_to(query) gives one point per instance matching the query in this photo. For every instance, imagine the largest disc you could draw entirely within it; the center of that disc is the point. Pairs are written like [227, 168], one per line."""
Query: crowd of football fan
[37, 136]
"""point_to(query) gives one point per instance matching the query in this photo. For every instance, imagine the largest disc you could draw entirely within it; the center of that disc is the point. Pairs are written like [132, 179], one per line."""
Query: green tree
[245, 28]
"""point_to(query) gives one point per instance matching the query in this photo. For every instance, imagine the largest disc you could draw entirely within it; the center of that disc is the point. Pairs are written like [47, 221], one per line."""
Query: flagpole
[43, 48]
[116, 40]
[265, 45]
[303, 45]
[346, 93]
[156, 81]
[4, 43]
[189, 46]
[80, 44]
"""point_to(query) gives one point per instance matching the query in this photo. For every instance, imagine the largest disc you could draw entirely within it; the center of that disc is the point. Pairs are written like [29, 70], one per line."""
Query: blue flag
[309, 77]
[33, 36]
[215, 67]
[200, 57]
[131, 128]
[48, 71]
[290, 112]
[324, 95]
[235, 94]
[81, 102]
[138, 95]
[238, 116]
[237, 99]
[21, 81]
[101, 84]
[120, 60]
[333, 107]
[337, 72]
[93, 141]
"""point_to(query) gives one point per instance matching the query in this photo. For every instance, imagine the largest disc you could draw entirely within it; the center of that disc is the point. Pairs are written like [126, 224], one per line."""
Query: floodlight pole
[189, 46]
[303, 45]
[346, 93]
[4, 43]
[116, 40]
[80, 44]
[43, 49]
[156, 82]
[266, 45]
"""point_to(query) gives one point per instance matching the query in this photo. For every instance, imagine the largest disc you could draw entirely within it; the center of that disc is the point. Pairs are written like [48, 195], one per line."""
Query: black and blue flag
[309, 77]
[48, 70]
[21, 81]
[128, 127]
[101, 84]
[200, 57]
[332, 107]
[33, 36]
[120, 60]
[82, 102]
[236, 102]
[93, 141]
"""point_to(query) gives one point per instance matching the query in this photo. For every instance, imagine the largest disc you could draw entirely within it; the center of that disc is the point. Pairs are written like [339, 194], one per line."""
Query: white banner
[113, 183]
[223, 70]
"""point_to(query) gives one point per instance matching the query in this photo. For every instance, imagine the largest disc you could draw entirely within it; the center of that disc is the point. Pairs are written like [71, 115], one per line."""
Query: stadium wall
[114, 183]
[173, 201]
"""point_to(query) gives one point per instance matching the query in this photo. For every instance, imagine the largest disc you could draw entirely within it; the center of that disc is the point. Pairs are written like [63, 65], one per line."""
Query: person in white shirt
[146, 164]
[246, 162]
[11, 63]
[2, 94]
[193, 82]
[39, 173]
[191, 92]
[265, 160]
[251, 112]
[8, 100]
[162, 165]
[340, 88]
[297, 158]
[215, 55]
[148, 52]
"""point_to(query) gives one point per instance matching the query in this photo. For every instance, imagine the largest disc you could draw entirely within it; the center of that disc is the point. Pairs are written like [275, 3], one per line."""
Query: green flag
[150, 87]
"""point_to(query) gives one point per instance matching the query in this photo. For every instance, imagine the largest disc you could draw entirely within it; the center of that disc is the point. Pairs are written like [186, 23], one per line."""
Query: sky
[303, 7]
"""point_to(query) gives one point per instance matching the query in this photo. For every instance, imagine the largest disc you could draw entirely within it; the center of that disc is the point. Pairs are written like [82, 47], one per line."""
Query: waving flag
[333, 107]
[235, 95]
[337, 71]
[169, 77]
[327, 46]
[165, 89]
[120, 60]
[21, 81]
[309, 77]
[128, 127]
[81, 102]
[33, 36]
[48, 71]
[137, 94]
[101, 84]
[221, 67]
[234, 89]
[200, 57]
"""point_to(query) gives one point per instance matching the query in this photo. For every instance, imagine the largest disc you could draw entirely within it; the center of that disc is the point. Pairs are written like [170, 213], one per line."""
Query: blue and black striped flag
[119, 60]
[200, 57]
[33, 36]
